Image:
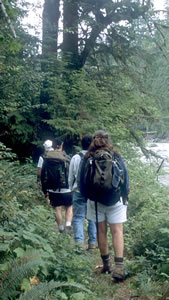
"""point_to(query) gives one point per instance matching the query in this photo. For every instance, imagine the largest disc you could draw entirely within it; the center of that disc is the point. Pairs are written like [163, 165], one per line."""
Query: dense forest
[106, 67]
[110, 71]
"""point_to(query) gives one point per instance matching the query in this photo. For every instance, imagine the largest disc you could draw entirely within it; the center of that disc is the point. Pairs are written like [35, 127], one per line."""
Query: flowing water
[162, 149]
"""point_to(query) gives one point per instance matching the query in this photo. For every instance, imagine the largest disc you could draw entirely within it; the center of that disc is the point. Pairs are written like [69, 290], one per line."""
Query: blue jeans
[79, 215]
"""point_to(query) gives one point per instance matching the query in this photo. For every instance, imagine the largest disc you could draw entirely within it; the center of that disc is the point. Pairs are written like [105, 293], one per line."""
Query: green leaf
[19, 252]
[78, 296]
[62, 296]
[25, 285]
[4, 247]
[4, 267]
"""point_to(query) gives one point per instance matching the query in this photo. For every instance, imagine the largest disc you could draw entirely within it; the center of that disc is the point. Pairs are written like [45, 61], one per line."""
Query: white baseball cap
[47, 145]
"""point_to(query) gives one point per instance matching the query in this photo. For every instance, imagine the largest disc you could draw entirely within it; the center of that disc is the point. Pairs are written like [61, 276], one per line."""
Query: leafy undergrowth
[37, 262]
[137, 286]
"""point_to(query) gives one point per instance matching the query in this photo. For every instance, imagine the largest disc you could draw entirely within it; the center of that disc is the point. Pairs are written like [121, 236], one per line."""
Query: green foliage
[92, 99]
[32, 251]
[46, 288]
[37, 261]
[19, 80]
[117, 89]
[122, 88]
[146, 233]
[19, 269]
[5, 153]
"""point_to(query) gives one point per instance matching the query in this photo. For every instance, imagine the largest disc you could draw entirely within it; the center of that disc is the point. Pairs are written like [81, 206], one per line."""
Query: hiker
[107, 205]
[54, 178]
[47, 147]
[79, 202]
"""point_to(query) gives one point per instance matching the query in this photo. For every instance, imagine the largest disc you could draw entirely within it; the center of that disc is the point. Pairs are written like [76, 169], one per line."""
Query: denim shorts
[115, 214]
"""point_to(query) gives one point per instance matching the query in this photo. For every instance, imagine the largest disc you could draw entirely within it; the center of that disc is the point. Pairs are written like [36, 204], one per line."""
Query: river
[162, 149]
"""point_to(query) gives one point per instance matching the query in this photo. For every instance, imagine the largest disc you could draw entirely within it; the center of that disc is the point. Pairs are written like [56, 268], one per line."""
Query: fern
[24, 268]
[44, 289]
[5, 153]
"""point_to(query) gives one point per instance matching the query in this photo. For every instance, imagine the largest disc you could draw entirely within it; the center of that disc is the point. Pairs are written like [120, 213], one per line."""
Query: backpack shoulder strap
[79, 168]
[115, 156]
[81, 154]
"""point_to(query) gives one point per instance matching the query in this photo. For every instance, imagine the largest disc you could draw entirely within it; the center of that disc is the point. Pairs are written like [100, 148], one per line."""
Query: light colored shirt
[40, 162]
[73, 171]
[59, 191]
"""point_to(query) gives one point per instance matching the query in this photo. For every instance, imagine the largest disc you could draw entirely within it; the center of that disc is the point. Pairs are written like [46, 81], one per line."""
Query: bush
[35, 259]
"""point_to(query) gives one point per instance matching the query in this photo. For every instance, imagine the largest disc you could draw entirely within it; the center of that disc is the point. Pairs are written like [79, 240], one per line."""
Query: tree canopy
[110, 71]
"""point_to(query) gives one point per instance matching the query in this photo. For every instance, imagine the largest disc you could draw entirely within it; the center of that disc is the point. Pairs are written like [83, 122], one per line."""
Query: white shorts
[115, 214]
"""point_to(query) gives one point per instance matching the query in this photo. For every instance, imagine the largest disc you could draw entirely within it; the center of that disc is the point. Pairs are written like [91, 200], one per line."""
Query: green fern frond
[25, 268]
[44, 289]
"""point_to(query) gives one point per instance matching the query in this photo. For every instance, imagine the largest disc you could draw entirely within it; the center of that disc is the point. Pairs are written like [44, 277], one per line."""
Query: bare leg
[117, 239]
[103, 246]
[58, 210]
[68, 219]
[118, 244]
[68, 213]
[103, 242]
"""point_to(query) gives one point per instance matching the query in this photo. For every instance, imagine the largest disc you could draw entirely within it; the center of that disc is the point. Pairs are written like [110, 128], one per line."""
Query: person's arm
[39, 176]
[71, 177]
[73, 171]
[39, 170]
[125, 188]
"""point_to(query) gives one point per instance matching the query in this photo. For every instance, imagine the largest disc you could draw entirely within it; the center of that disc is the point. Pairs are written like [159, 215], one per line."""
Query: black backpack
[102, 176]
[55, 169]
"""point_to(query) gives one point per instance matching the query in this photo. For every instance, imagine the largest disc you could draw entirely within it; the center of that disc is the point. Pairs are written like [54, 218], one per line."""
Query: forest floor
[106, 289]
[103, 286]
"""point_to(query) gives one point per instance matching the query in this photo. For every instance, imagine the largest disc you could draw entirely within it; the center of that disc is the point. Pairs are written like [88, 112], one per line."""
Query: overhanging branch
[7, 18]
[145, 151]
[126, 13]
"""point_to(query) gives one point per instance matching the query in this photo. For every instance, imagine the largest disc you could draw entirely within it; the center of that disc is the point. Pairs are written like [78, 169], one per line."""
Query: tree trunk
[70, 33]
[50, 20]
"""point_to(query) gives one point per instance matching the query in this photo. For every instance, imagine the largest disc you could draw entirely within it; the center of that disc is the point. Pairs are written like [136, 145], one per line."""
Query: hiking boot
[80, 248]
[91, 247]
[118, 273]
[107, 268]
[61, 228]
[68, 230]
[80, 245]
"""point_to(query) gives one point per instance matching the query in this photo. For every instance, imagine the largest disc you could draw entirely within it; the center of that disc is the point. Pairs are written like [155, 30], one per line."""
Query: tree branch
[129, 13]
[7, 18]
[144, 150]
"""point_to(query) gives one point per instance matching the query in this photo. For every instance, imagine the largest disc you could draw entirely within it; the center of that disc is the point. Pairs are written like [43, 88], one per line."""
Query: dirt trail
[109, 290]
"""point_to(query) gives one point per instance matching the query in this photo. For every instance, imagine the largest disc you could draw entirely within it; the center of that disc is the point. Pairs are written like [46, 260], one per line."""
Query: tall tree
[50, 18]
[70, 32]
[93, 18]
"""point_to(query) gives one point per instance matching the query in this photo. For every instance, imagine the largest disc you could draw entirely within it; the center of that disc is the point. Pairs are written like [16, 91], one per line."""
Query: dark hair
[86, 141]
[101, 141]
[57, 143]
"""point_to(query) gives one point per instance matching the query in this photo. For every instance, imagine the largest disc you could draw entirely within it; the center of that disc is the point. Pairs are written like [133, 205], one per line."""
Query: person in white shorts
[113, 213]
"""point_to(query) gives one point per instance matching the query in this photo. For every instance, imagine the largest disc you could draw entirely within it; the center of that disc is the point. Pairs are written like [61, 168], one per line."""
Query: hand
[125, 200]
[47, 198]
[39, 184]
[48, 201]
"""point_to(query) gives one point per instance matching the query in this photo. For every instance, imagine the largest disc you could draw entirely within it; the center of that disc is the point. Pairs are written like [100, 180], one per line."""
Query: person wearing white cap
[54, 180]
[47, 147]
